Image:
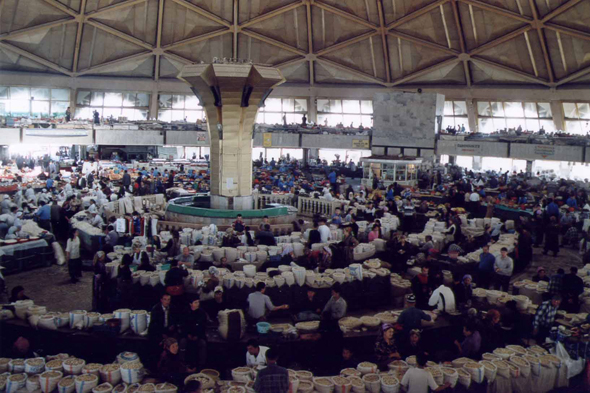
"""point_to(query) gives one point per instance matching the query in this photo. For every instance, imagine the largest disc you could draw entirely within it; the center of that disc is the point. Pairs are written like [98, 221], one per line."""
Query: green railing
[178, 205]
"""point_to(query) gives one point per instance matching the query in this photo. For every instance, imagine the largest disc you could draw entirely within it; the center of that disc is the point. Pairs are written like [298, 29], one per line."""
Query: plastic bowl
[262, 327]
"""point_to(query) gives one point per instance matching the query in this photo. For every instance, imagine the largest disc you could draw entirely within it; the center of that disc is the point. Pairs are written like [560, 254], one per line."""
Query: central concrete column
[231, 94]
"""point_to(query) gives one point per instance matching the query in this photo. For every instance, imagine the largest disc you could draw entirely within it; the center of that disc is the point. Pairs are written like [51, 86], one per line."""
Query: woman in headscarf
[171, 366]
[173, 245]
[230, 239]
[349, 242]
[385, 347]
[99, 283]
[413, 346]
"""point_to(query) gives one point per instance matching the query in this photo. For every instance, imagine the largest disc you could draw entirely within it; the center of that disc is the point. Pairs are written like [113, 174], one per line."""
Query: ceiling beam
[421, 42]
[346, 43]
[273, 13]
[175, 57]
[203, 12]
[193, 40]
[116, 6]
[63, 8]
[560, 10]
[497, 10]
[574, 76]
[274, 42]
[27, 30]
[235, 30]
[119, 34]
[462, 46]
[446, 28]
[384, 40]
[78, 43]
[310, 43]
[500, 40]
[568, 31]
[358, 73]
[542, 40]
[36, 58]
[159, 28]
[520, 73]
[344, 14]
[416, 14]
[290, 62]
[424, 71]
[111, 63]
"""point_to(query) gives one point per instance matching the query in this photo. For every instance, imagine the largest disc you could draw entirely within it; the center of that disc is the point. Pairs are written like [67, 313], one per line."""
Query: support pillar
[231, 94]
[529, 168]
[477, 163]
[472, 115]
[558, 115]
[452, 160]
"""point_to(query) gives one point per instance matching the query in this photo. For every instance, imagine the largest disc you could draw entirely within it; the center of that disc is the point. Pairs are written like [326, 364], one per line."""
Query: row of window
[492, 115]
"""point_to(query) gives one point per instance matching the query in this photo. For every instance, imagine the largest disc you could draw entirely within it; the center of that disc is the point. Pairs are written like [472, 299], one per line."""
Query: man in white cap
[5, 205]
[97, 220]
[16, 231]
[43, 196]
[30, 193]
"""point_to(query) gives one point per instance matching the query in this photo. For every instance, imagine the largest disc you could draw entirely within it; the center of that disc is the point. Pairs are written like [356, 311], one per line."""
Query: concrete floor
[51, 286]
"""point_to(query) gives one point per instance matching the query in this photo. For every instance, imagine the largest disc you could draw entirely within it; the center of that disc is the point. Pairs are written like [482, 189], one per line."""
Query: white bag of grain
[389, 384]
[132, 372]
[49, 379]
[92, 368]
[15, 382]
[32, 383]
[16, 366]
[124, 315]
[85, 383]
[450, 376]
[138, 321]
[77, 319]
[66, 385]
[464, 377]
[73, 366]
[104, 387]
[476, 370]
[111, 373]
[372, 383]
[34, 365]
[166, 388]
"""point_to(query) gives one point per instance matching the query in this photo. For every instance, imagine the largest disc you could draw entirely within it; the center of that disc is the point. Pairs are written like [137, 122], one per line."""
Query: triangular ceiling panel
[452, 74]
[139, 68]
[576, 53]
[138, 21]
[334, 29]
[325, 73]
[249, 9]
[96, 5]
[545, 6]
[73, 4]
[222, 9]
[515, 6]
[11, 61]
[485, 74]
[169, 68]
[488, 26]
[430, 27]
[515, 54]
[219, 47]
[275, 28]
[99, 47]
[577, 17]
[397, 9]
[297, 73]
[55, 44]
[585, 79]
[181, 23]
[17, 15]
[406, 57]
[357, 8]
[359, 56]
[261, 52]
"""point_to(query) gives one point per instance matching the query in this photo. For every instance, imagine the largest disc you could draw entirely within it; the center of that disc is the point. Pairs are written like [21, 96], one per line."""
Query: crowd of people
[551, 215]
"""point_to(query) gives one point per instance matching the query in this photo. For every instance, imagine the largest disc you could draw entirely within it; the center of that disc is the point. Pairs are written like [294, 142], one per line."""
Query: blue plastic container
[263, 327]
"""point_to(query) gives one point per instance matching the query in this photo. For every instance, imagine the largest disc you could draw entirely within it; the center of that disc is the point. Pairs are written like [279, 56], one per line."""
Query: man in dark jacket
[572, 287]
[193, 330]
[162, 320]
[266, 237]
[126, 181]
